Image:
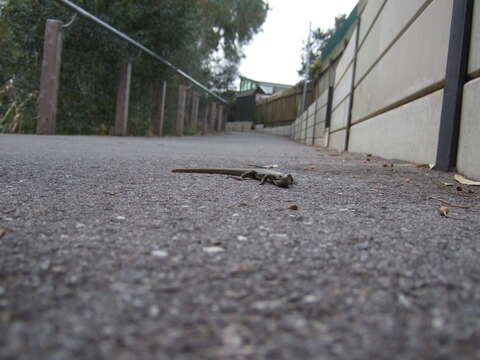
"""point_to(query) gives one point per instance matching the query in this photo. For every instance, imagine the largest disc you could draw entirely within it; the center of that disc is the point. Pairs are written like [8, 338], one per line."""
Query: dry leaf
[443, 211]
[465, 181]
[311, 167]
[244, 204]
[376, 190]
[430, 166]
[388, 164]
[3, 231]
[293, 207]
[407, 180]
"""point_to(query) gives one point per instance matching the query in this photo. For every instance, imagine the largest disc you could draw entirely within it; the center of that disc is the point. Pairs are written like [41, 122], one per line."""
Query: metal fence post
[123, 97]
[159, 112]
[50, 77]
[182, 97]
[455, 78]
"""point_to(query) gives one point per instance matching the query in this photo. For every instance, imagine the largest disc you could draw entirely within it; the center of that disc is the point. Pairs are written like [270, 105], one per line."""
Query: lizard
[264, 175]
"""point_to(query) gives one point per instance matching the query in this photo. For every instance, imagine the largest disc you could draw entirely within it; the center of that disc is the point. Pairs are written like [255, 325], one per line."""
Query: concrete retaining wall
[468, 159]
[309, 128]
[399, 74]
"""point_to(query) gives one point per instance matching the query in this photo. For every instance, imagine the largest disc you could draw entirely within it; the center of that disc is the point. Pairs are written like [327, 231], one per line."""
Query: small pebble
[159, 253]
[213, 249]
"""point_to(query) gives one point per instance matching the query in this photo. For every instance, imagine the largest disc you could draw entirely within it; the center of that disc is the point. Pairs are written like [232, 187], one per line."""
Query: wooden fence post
[182, 97]
[159, 112]
[219, 118]
[213, 116]
[194, 114]
[123, 97]
[186, 111]
[50, 77]
[206, 116]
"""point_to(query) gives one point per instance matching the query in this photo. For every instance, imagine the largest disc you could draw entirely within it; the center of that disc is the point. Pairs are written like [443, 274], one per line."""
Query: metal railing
[125, 37]
[178, 107]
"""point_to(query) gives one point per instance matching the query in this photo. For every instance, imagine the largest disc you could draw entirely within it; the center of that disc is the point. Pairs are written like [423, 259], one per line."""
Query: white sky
[274, 54]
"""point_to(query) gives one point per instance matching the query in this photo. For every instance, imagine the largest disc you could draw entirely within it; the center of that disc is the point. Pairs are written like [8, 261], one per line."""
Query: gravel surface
[108, 255]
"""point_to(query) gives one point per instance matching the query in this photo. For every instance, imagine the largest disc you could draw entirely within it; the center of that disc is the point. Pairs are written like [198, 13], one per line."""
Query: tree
[317, 43]
[202, 37]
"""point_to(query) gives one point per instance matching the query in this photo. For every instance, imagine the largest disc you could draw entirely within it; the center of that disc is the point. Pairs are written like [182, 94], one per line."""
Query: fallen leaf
[464, 181]
[293, 207]
[3, 231]
[443, 211]
[243, 268]
[388, 164]
[429, 166]
[311, 167]
[407, 180]
[376, 190]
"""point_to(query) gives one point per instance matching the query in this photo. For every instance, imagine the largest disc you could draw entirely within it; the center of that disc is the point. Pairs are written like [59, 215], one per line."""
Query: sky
[274, 55]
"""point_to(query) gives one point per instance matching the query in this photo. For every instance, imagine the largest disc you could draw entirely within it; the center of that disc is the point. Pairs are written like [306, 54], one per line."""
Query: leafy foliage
[317, 43]
[202, 37]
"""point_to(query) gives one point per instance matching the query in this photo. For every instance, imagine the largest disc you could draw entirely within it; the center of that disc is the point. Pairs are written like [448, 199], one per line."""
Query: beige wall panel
[468, 160]
[322, 99]
[337, 140]
[347, 56]
[319, 130]
[415, 62]
[321, 114]
[342, 89]
[311, 110]
[340, 116]
[368, 16]
[309, 135]
[474, 61]
[409, 132]
[320, 138]
[393, 18]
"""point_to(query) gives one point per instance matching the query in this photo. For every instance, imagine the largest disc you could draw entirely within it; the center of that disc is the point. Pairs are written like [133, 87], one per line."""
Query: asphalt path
[106, 254]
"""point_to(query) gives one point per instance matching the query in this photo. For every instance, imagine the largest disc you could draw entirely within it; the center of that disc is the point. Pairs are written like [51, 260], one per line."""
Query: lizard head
[284, 181]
